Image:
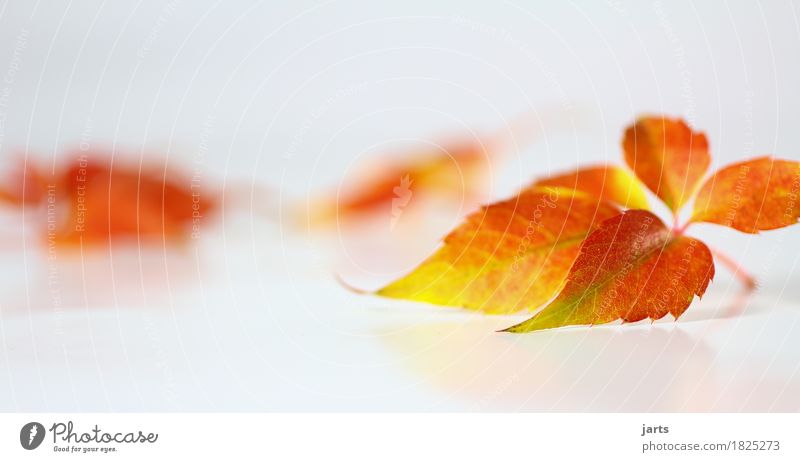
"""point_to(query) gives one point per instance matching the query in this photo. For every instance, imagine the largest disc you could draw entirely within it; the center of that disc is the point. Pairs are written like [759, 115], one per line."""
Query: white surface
[291, 96]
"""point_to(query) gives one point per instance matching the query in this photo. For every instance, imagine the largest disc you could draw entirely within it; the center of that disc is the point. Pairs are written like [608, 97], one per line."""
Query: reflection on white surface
[733, 364]
[229, 333]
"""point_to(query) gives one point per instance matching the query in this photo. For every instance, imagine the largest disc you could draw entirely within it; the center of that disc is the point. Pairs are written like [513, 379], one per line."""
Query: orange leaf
[758, 194]
[456, 169]
[668, 157]
[609, 182]
[508, 256]
[95, 201]
[451, 171]
[104, 202]
[631, 268]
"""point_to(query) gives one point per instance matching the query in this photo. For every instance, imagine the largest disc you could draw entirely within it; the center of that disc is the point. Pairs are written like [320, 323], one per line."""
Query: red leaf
[631, 268]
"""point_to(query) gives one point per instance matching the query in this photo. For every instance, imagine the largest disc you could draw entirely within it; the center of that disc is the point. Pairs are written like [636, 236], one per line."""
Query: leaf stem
[744, 277]
[349, 287]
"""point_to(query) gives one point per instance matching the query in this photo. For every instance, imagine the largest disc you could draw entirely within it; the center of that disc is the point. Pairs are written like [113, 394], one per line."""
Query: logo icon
[31, 435]
[402, 196]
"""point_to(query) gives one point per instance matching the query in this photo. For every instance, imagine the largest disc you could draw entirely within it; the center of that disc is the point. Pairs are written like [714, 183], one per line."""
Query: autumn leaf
[94, 201]
[144, 204]
[509, 256]
[454, 170]
[628, 267]
[751, 196]
[608, 182]
[668, 157]
[450, 170]
[631, 268]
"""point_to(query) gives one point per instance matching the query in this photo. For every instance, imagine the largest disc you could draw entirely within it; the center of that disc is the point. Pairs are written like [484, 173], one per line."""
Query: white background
[291, 97]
